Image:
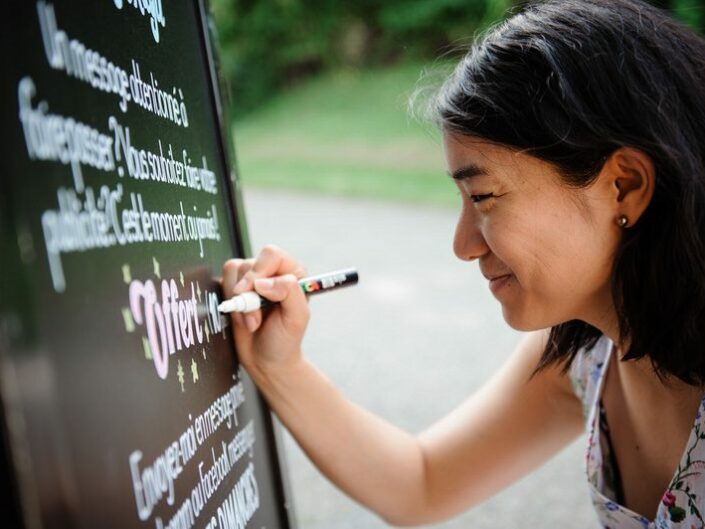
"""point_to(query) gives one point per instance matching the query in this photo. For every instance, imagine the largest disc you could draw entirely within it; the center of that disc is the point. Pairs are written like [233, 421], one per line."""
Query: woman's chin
[520, 322]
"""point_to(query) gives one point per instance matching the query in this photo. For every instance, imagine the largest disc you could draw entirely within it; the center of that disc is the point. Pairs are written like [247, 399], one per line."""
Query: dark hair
[570, 81]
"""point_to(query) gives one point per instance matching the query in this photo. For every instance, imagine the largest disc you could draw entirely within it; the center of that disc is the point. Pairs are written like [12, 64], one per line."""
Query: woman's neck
[639, 373]
[603, 316]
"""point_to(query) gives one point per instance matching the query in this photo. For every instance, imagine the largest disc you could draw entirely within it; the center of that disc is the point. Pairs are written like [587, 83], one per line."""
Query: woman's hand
[272, 342]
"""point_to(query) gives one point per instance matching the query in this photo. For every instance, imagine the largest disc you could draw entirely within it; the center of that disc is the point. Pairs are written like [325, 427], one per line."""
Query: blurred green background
[319, 89]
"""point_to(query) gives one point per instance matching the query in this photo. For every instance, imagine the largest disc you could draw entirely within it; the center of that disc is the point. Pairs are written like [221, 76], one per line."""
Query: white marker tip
[229, 305]
[245, 302]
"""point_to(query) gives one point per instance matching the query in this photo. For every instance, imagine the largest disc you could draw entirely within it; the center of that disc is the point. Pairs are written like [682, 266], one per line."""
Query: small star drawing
[126, 274]
[157, 272]
[147, 348]
[194, 370]
[127, 318]
[180, 375]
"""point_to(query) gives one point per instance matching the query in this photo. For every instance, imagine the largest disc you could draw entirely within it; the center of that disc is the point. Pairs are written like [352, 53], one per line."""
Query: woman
[575, 132]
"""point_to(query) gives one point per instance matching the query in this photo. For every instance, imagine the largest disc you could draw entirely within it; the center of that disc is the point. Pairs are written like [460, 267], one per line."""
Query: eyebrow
[466, 172]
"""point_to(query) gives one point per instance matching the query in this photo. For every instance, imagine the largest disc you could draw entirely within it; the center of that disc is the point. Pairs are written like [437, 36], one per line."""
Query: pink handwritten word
[170, 321]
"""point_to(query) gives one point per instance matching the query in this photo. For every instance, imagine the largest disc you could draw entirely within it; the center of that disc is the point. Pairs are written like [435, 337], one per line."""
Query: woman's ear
[631, 174]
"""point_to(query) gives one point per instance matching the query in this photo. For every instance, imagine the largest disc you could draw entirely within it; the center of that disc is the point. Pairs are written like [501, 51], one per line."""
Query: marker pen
[251, 301]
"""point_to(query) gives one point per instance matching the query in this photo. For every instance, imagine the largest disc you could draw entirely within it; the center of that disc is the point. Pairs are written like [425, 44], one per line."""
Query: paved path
[418, 335]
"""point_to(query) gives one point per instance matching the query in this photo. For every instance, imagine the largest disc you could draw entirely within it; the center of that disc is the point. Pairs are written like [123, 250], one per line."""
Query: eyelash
[475, 199]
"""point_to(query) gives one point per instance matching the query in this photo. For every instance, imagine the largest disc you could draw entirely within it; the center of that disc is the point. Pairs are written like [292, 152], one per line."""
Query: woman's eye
[479, 198]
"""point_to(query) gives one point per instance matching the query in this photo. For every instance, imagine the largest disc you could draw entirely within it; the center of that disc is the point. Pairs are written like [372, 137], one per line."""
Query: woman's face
[546, 248]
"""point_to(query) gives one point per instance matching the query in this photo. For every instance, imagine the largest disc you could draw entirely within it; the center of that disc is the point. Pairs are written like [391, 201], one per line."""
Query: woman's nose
[469, 242]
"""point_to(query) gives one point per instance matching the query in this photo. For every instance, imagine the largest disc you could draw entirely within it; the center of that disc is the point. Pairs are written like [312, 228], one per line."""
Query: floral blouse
[682, 504]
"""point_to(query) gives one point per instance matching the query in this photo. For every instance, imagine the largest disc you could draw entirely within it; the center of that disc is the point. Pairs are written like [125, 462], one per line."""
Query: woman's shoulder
[587, 369]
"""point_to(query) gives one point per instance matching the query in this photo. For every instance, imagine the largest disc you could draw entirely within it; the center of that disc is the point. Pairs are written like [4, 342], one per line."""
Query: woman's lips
[496, 283]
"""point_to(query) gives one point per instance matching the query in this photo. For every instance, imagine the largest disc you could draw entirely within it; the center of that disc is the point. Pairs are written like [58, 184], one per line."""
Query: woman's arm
[507, 428]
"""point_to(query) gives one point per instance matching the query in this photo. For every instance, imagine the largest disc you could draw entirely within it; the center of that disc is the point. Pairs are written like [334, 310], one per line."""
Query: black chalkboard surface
[122, 401]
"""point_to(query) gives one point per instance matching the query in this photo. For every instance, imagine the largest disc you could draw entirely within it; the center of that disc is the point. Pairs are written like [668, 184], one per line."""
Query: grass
[346, 133]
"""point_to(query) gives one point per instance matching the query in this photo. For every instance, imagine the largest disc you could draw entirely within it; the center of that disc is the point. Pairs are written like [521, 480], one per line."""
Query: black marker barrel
[251, 301]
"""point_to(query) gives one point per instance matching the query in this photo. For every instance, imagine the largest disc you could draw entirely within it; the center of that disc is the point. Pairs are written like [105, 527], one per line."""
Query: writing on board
[154, 482]
[121, 188]
[90, 66]
[151, 8]
[105, 219]
[172, 324]
[101, 219]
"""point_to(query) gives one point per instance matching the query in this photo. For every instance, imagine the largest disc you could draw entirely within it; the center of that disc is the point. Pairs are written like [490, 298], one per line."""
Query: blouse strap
[586, 370]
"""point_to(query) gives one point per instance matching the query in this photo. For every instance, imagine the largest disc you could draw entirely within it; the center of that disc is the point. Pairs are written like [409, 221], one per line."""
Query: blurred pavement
[418, 335]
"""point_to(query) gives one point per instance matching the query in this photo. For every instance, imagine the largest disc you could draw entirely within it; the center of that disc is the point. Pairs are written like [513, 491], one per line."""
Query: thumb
[287, 291]
[284, 289]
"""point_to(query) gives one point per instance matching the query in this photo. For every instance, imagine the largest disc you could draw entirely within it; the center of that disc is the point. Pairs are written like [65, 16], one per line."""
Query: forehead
[466, 150]
[484, 157]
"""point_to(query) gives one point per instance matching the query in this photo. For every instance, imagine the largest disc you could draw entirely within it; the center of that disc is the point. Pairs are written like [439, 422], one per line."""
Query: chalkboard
[123, 404]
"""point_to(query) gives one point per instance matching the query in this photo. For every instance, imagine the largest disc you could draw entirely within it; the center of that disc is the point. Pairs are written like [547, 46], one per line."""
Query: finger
[231, 275]
[252, 322]
[237, 318]
[243, 282]
[245, 266]
[300, 272]
[273, 261]
[275, 288]
[285, 290]
[295, 299]
[233, 272]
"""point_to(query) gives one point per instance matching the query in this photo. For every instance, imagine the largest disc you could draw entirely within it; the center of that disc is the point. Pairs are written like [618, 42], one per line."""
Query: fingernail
[250, 322]
[266, 283]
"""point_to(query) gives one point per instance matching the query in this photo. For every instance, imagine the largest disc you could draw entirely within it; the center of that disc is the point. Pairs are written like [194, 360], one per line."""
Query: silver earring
[622, 221]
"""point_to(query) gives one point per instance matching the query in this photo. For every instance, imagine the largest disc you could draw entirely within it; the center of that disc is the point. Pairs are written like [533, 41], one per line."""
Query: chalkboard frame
[241, 240]
[14, 499]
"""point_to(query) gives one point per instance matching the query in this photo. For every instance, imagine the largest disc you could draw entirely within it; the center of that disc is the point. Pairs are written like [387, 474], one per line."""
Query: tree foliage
[266, 45]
